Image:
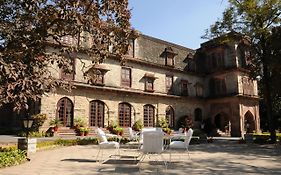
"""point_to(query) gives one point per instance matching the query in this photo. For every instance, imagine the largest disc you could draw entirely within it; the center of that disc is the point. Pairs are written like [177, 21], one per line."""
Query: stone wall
[81, 98]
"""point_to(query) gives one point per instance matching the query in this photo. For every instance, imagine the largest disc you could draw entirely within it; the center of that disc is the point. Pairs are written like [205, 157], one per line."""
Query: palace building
[159, 79]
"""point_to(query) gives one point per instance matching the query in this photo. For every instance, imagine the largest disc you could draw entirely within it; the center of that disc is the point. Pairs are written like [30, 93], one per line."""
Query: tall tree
[275, 73]
[28, 28]
[257, 20]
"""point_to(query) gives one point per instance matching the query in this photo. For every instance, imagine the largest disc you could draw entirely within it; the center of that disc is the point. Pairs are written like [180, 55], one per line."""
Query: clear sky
[178, 21]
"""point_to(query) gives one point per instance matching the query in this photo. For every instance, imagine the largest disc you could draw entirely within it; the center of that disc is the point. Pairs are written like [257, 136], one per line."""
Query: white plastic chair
[182, 144]
[152, 144]
[180, 130]
[105, 144]
[133, 136]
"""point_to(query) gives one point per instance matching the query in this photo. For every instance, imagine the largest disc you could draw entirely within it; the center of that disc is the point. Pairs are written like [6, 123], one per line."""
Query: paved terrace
[213, 158]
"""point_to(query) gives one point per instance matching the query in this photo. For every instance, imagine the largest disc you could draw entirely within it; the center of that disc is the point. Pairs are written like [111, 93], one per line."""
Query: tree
[29, 28]
[275, 74]
[259, 22]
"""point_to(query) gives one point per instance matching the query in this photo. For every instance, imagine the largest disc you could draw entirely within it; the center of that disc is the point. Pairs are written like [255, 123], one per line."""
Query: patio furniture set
[150, 142]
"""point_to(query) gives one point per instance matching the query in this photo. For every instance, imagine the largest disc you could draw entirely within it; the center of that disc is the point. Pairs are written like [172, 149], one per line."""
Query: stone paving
[215, 158]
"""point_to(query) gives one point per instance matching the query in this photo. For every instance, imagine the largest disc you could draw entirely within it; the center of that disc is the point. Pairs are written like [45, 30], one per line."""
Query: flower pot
[55, 128]
[81, 133]
[120, 133]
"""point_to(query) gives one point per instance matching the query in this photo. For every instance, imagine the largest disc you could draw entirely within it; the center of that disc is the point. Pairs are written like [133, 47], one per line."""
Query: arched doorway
[198, 115]
[65, 111]
[148, 116]
[170, 116]
[97, 113]
[124, 113]
[249, 122]
[222, 122]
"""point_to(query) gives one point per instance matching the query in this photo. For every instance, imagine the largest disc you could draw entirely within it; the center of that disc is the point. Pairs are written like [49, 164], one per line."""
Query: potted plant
[137, 125]
[111, 126]
[118, 131]
[55, 123]
[121, 131]
[79, 122]
[86, 131]
[164, 125]
[81, 131]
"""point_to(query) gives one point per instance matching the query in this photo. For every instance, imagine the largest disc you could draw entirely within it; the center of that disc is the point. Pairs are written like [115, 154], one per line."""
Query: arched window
[97, 113]
[241, 56]
[65, 111]
[198, 115]
[148, 116]
[124, 110]
[170, 116]
[198, 89]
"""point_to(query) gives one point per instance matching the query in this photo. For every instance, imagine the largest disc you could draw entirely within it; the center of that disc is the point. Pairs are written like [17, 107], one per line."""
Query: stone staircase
[66, 131]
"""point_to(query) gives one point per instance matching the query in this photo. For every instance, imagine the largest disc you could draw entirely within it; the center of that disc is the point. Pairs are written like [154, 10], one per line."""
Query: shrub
[60, 142]
[37, 134]
[118, 139]
[65, 142]
[34, 134]
[164, 125]
[38, 121]
[78, 141]
[124, 140]
[87, 141]
[11, 156]
[264, 138]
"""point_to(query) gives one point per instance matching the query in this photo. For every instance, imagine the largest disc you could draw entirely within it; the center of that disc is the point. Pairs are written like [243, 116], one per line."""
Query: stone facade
[161, 80]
